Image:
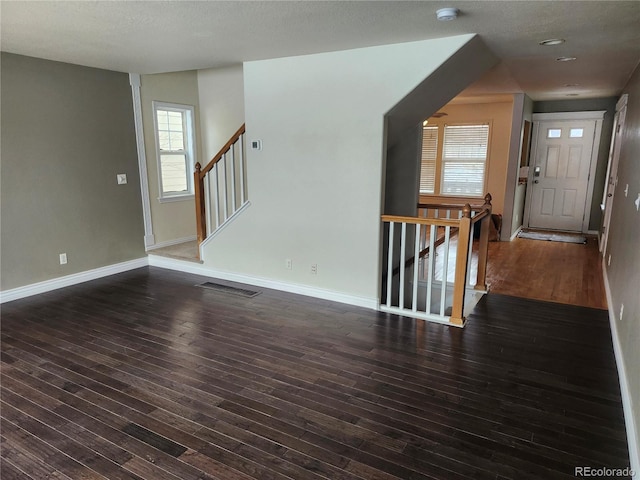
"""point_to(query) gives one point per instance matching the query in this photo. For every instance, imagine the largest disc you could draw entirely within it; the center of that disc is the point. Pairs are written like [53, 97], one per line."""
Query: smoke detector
[447, 14]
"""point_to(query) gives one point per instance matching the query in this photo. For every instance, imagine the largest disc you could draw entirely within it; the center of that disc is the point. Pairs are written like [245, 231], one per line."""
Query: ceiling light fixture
[565, 59]
[551, 41]
[447, 14]
[571, 84]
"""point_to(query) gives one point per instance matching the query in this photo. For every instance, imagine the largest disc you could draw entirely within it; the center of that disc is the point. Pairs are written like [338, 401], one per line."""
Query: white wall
[221, 93]
[316, 186]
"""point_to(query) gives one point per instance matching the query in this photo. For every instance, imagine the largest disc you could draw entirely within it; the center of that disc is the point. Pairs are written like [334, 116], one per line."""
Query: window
[174, 147]
[429, 159]
[458, 167]
[554, 132]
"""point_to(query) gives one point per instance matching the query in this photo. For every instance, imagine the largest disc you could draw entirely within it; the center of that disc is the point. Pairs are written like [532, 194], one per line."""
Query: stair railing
[422, 251]
[221, 187]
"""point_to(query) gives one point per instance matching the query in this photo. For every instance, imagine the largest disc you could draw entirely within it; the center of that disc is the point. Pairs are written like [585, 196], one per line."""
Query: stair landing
[187, 251]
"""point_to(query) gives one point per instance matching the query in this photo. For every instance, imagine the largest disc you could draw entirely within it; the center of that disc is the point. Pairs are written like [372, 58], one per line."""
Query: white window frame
[188, 112]
[440, 163]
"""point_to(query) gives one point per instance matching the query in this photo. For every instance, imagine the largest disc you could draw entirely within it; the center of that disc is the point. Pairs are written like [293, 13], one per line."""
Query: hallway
[551, 271]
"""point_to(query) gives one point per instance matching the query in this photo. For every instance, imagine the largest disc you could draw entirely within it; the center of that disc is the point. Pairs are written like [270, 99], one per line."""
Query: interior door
[560, 176]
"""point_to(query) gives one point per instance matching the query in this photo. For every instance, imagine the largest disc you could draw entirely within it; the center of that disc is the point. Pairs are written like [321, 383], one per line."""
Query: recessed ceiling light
[447, 14]
[551, 41]
[565, 59]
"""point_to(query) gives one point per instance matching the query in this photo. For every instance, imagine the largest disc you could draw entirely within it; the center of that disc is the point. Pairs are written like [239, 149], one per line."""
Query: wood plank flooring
[552, 271]
[143, 375]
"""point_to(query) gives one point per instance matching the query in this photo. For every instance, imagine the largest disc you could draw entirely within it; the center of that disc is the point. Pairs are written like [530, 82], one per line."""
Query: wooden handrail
[198, 184]
[218, 156]
[457, 206]
[439, 222]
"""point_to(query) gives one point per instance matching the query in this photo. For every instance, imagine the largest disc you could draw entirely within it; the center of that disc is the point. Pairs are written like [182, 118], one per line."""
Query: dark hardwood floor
[143, 375]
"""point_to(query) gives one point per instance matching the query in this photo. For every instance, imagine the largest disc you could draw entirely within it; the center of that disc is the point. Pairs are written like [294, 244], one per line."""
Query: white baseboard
[187, 267]
[169, 243]
[68, 280]
[630, 424]
[197, 269]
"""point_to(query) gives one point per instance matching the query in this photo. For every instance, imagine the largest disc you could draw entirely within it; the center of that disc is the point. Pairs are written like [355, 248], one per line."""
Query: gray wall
[586, 105]
[66, 132]
[404, 122]
[624, 272]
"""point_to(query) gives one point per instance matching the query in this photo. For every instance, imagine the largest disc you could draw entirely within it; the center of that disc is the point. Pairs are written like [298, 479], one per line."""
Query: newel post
[483, 250]
[201, 220]
[462, 254]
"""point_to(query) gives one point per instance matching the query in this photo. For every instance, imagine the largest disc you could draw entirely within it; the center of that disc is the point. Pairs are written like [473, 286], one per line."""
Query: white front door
[560, 172]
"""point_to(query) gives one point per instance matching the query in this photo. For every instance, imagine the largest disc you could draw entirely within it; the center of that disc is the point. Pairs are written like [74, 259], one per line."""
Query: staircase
[221, 188]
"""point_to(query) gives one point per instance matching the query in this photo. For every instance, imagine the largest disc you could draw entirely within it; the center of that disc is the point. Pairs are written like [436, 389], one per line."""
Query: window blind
[429, 158]
[464, 159]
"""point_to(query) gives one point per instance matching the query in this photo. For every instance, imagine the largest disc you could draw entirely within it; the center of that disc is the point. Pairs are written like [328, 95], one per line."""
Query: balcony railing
[428, 261]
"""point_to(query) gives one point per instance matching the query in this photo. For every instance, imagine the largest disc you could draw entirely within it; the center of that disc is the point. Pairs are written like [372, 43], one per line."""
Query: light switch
[122, 178]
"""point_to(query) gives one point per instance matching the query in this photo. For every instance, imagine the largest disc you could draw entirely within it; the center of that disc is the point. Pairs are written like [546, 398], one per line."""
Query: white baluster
[242, 178]
[233, 180]
[445, 268]
[431, 266]
[217, 195]
[207, 202]
[390, 263]
[416, 261]
[225, 211]
[403, 244]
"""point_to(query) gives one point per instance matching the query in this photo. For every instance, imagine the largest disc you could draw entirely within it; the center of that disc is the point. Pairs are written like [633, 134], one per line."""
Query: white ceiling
[162, 36]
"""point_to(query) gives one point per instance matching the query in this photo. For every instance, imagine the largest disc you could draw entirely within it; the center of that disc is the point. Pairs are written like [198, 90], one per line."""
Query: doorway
[562, 172]
[612, 170]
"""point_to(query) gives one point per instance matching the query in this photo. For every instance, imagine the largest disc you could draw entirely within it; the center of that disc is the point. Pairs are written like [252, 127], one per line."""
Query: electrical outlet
[621, 310]
[314, 269]
[63, 259]
[122, 178]
[288, 264]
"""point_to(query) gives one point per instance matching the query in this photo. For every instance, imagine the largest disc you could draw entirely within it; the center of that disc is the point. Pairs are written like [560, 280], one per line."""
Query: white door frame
[611, 180]
[598, 116]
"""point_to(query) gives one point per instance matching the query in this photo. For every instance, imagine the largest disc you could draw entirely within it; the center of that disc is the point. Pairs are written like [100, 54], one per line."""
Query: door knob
[535, 181]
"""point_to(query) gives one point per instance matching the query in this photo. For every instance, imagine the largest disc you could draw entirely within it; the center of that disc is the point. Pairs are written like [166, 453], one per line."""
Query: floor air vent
[228, 289]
